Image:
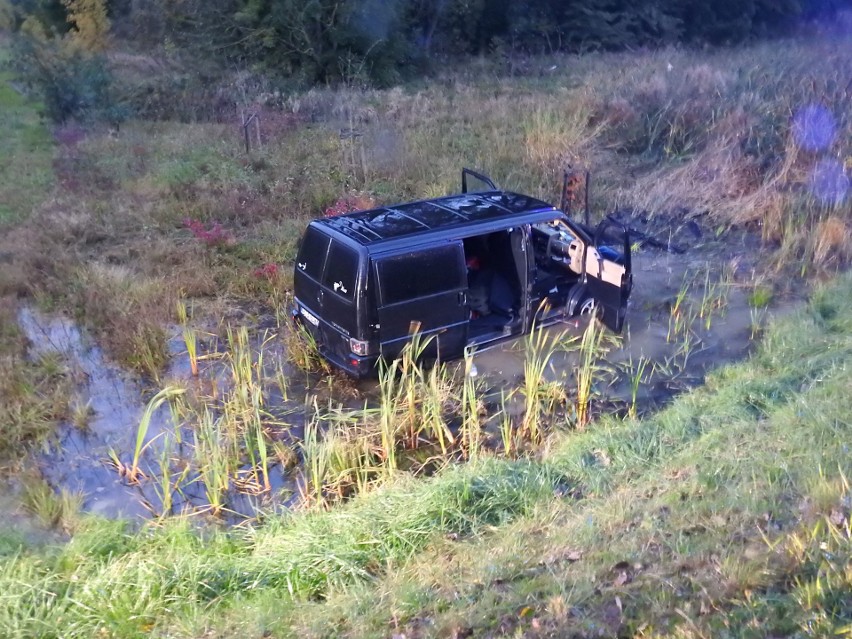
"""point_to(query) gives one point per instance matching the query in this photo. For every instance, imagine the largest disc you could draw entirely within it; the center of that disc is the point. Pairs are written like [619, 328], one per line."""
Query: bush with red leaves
[268, 271]
[349, 203]
[214, 235]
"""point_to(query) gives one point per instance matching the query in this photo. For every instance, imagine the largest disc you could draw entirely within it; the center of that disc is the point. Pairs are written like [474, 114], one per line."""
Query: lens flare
[829, 182]
[814, 128]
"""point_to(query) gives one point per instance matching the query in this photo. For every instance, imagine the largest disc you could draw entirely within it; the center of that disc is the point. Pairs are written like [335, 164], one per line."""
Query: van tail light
[359, 347]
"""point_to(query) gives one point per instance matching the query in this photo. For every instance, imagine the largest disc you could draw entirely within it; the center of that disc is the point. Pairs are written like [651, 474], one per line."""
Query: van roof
[452, 211]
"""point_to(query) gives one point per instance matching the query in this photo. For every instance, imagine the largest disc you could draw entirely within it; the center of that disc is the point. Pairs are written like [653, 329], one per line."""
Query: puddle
[667, 341]
[82, 459]
[688, 313]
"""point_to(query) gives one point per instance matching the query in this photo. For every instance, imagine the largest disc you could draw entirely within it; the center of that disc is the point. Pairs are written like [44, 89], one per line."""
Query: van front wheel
[588, 307]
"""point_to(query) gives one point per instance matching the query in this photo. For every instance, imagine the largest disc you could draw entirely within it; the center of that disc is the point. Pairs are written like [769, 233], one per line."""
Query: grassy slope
[726, 514]
[25, 161]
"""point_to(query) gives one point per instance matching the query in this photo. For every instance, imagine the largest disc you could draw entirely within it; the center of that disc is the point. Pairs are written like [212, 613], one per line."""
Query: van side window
[341, 272]
[414, 275]
[312, 253]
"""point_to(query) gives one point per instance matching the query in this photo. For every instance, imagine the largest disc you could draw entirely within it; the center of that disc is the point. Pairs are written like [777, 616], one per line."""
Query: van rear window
[341, 271]
[312, 253]
[414, 275]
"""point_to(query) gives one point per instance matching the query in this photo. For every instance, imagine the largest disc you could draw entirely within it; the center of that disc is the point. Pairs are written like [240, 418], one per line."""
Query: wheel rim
[588, 306]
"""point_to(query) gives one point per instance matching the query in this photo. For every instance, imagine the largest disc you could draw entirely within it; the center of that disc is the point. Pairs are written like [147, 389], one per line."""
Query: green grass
[724, 515]
[26, 173]
[34, 392]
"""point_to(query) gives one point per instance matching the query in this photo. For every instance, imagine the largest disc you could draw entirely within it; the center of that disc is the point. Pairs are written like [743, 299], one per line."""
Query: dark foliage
[383, 41]
[73, 85]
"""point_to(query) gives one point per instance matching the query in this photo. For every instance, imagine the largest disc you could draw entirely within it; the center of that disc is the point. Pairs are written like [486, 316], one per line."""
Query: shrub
[72, 83]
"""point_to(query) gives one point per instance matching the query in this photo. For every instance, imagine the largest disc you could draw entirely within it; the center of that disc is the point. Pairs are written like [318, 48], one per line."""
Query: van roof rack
[452, 211]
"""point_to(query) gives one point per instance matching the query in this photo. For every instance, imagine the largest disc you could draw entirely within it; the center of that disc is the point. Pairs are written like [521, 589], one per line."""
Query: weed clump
[34, 393]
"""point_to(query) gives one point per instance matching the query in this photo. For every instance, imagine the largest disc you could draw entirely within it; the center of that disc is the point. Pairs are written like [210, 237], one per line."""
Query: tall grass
[213, 461]
[315, 455]
[168, 394]
[587, 369]
[540, 394]
[471, 424]
[642, 489]
[34, 397]
[189, 338]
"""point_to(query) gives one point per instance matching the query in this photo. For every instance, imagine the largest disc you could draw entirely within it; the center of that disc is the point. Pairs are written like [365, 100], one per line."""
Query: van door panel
[608, 272]
[425, 287]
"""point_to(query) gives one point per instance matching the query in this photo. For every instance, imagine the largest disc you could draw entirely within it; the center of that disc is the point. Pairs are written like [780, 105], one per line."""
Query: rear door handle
[462, 298]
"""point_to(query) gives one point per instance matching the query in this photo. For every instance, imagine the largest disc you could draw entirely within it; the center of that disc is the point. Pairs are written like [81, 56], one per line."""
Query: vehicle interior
[558, 255]
[497, 272]
[495, 268]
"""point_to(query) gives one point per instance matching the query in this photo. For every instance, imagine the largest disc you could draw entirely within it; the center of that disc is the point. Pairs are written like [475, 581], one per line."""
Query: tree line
[385, 41]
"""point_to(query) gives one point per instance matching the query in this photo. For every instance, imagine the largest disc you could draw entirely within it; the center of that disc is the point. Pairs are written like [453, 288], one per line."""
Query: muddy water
[78, 459]
[676, 355]
[81, 458]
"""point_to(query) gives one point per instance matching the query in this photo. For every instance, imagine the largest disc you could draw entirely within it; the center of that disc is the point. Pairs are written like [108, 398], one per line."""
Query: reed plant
[637, 373]
[410, 371]
[260, 441]
[281, 381]
[756, 321]
[437, 392]
[189, 338]
[302, 350]
[507, 430]
[215, 466]
[587, 369]
[168, 483]
[540, 394]
[686, 347]
[389, 394]
[678, 319]
[315, 459]
[168, 394]
[714, 299]
[354, 450]
[471, 425]
[241, 366]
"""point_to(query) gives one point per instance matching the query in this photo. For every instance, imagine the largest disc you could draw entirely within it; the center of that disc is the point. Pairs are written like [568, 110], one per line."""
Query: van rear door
[310, 264]
[425, 288]
[609, 272]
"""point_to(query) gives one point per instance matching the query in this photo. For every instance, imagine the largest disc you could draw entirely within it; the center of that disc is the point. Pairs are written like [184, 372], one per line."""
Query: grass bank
[726, 514]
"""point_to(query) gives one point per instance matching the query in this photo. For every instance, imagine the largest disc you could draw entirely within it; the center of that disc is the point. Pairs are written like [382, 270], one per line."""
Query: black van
[465, 270]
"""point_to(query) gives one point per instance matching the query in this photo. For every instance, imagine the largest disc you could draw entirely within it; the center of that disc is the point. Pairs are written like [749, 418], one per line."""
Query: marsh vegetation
[148, 369]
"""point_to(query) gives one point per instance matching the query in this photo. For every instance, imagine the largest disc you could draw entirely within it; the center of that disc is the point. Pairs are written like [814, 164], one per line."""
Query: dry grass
[832, 241]
[679, 132]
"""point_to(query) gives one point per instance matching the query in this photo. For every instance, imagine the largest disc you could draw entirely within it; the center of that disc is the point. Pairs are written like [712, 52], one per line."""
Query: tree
[89, 22]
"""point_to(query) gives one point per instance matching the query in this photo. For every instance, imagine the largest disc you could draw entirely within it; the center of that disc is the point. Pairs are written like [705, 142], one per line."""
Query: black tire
[588, 306]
